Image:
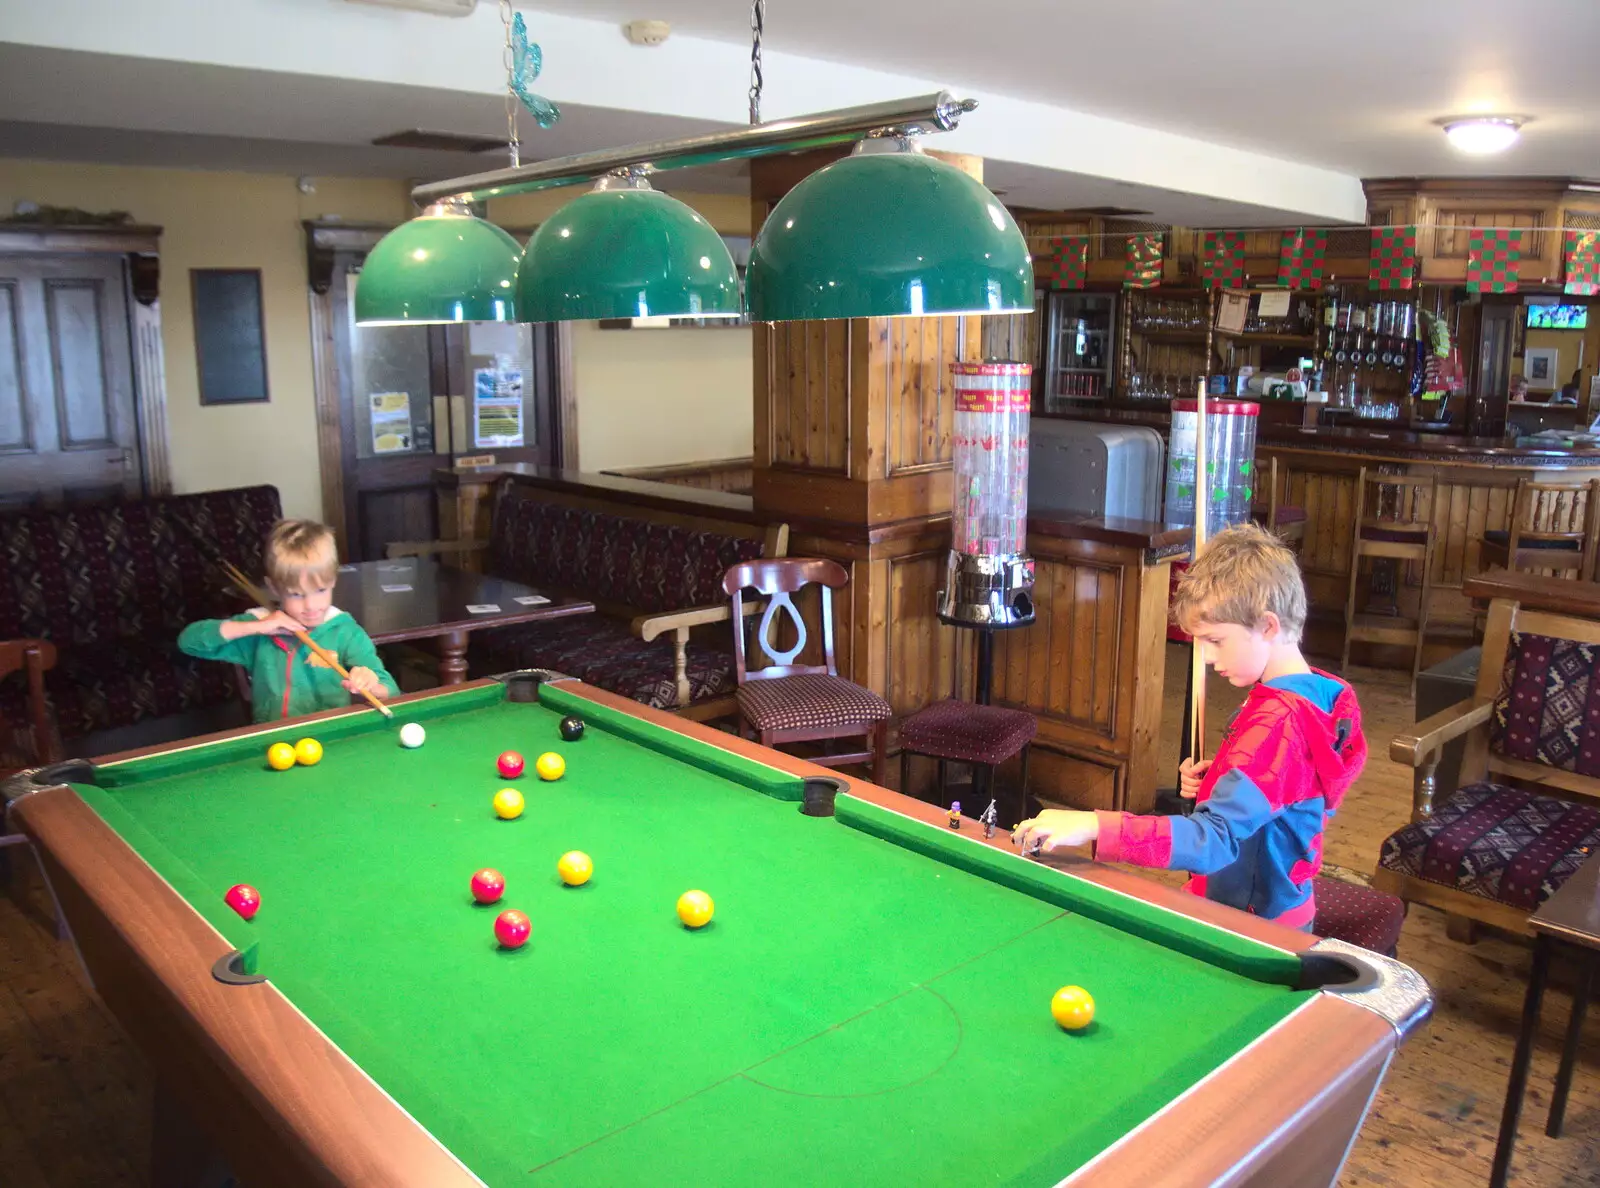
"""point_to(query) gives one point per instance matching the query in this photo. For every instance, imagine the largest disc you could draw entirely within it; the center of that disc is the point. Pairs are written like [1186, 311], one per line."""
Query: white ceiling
[1352, 85]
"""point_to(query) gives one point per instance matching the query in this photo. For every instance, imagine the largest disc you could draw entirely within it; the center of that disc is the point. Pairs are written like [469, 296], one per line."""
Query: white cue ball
[412, 734]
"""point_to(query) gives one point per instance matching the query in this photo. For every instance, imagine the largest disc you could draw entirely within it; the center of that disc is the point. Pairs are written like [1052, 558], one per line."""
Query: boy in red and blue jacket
[1289, 755]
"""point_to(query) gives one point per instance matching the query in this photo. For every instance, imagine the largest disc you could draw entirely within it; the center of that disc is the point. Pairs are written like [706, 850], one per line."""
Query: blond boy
[286, 677]
[1254, 840]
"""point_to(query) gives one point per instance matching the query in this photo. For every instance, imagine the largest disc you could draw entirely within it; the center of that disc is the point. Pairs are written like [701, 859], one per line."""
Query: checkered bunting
[1301, 258]
[1492, 257]
[1222, 260]
[1143, 267]
[1583, 262]
[1064, 264]
[1394, 258]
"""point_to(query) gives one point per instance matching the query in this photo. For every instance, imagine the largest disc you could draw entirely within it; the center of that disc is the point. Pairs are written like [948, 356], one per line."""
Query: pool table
[869, 1005]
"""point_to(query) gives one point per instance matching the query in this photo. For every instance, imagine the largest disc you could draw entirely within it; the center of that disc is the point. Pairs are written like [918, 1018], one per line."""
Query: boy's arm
[360, 652]
[205, 639]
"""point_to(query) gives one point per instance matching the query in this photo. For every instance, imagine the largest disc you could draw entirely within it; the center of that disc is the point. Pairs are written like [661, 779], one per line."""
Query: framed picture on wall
[1539, 368]
[230, 338]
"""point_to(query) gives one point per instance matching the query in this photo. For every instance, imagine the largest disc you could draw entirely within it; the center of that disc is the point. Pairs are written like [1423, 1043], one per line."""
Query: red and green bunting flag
[1492, 261]
[1583, 262]
[1394, 258]
[1222, 260]
[1143, 267]
[1064, 264]
[1301, 258]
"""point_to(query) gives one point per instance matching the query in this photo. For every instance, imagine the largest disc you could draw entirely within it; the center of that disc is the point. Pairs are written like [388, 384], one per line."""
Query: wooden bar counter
[1476, 478]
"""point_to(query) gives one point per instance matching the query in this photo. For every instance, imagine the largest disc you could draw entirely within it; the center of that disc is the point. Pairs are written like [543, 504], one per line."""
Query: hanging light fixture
[888, 232]
[625, 250]
[1482, 135]
[445, 265]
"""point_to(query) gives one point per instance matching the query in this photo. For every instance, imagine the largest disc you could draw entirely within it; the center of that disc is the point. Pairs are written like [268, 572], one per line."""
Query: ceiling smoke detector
[647, 32]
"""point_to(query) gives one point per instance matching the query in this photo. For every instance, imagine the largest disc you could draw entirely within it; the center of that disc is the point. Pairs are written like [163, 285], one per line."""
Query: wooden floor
[75, 1096]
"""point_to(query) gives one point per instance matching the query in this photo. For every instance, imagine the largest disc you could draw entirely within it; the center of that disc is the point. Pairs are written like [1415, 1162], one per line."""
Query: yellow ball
[280, 756]
[508, 804]
[695, 908]
[308, 751]
[550, 766]
[1072, 1008]
[575, 867]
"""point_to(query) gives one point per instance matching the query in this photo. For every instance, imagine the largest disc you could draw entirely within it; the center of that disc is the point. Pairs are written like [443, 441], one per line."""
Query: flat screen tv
[1558, 317]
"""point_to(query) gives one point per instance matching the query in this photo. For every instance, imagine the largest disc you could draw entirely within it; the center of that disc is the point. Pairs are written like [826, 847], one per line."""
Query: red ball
[510, 765]
[511, 929]
[488, 885]
[244, 899]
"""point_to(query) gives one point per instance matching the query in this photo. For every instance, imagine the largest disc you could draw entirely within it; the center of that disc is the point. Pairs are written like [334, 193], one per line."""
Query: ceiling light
[445, 265]
[886, 232]
[624, 250]
[1481, 135]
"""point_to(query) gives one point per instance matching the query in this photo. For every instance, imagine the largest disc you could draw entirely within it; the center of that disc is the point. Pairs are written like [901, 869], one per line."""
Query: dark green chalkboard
[229, 336]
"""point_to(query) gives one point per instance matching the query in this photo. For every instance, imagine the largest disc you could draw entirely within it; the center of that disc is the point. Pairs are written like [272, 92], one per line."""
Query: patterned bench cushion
[1548, 708]
[1504, 844]
[606, 653]
[652, 567]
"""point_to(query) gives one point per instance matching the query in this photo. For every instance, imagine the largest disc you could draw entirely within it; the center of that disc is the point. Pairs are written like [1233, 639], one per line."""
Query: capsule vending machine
[988, 575]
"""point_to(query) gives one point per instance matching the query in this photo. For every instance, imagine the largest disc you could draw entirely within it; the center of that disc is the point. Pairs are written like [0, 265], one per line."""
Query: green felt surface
[869, 1006]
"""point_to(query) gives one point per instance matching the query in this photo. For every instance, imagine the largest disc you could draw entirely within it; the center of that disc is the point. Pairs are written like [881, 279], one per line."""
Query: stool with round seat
[983, 735]
[1359, 915]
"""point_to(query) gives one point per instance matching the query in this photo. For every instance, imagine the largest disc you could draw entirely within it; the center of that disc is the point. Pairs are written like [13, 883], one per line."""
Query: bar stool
[1287, 520]
[982, 735]
[1393, 522]
[1358, 915]
[1553, 527]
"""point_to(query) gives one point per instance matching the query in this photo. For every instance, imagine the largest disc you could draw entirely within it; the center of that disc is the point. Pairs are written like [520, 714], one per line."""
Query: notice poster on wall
[496, 407]
[391, 422]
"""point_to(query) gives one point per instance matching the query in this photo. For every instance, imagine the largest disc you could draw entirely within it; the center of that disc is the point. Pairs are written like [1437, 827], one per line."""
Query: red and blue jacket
[1254, 841]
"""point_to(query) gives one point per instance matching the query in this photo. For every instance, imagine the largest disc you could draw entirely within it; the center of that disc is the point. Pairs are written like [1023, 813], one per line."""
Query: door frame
[140, 248]
[325, 243]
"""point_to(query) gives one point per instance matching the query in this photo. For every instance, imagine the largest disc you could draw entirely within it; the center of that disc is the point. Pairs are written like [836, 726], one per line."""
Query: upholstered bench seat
[606, 653]
[1501, 843]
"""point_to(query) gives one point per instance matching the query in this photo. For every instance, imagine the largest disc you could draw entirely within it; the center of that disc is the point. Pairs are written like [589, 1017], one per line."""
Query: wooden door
[68, 425]
[413, 399]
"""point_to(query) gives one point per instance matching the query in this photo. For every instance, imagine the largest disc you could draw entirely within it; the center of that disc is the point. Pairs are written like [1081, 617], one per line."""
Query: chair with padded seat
[984, 736]
[1393, 526]
[1358, 915]
[1553, 528]
[32, 745]
[1527, 813]
[786, 700]
[1286, 520]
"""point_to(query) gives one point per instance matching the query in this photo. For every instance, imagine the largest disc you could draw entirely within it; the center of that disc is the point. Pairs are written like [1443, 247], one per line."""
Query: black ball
[572, 729]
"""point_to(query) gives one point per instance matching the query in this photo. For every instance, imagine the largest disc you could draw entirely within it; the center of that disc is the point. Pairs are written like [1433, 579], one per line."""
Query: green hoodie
[286, 679]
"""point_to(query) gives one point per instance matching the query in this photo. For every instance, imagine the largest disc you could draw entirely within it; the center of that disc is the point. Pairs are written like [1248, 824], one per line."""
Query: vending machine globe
[988, 575]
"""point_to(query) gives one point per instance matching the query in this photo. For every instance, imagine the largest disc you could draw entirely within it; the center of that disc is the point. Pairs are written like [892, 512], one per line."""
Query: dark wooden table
[434, 605]
[1569, 918]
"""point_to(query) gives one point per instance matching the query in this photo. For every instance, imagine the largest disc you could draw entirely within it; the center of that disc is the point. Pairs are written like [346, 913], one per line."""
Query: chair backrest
[40, 745]
[1546, 513]
[1386, 500]
[777, 580]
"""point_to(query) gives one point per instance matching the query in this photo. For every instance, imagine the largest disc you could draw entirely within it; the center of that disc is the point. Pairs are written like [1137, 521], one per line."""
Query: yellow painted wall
[1565, 343]
[226, 220]
[656, 397]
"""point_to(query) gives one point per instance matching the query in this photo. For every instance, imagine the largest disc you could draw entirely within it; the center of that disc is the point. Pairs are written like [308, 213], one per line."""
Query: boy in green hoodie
[287, 678]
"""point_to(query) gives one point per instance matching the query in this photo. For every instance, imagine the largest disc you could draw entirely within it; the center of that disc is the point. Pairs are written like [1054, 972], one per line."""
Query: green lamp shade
[888, 234]
[626, 253]
[439, 268]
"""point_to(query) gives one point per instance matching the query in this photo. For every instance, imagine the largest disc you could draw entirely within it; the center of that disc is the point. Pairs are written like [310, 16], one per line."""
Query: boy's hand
[364, 680]
[1056, 828]
[265, 623]
[1190, 775]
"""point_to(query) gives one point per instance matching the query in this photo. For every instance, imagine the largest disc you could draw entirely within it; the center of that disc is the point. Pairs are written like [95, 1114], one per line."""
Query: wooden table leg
[1519, 1063]
[453, 657]
[1569, 1052]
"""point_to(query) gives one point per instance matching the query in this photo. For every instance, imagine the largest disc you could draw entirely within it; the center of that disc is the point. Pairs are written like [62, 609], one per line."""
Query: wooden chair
[35, 745]
[1553, 528]
[1287, 520]
[787, 701]
[1527, 813]
[1393, 522]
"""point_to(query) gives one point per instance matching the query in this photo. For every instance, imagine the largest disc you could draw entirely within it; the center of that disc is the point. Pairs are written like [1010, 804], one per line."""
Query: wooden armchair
[39, 743]
[1553, 527]
[1527, 813]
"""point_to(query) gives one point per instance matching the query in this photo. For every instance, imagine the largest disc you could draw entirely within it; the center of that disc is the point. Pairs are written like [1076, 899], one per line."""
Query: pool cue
[250, 590]
[1202, 506]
